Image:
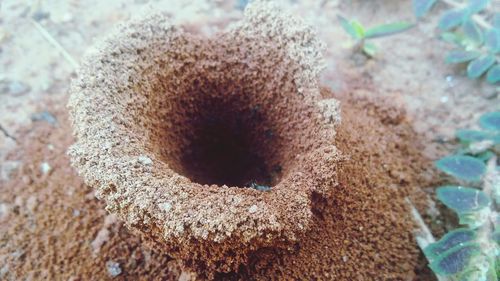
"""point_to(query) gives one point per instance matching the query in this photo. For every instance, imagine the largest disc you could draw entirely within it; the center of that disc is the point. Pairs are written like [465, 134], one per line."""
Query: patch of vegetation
[475, 32]
[362, 35]
[471, 252]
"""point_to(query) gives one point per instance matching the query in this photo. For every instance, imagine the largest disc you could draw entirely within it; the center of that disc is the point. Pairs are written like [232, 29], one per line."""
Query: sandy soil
[34, 77]
[53, 227]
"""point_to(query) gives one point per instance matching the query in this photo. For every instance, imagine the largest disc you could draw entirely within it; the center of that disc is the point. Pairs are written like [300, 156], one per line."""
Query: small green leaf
[480, 65]
[493, 75]
[490, 121]
[421, 7]
[463, 200]
[485, 155]
[476, 6]
[346, 25]
[453, 38]
[460, 56]
[369, 49]
[480, 268]
[474, 219]
[358, 27]
[450, 240]
[492, 40]
[462, 167]
[456, 259]
[472, 32]
[452, 19]
[469, 136]
[388, 29]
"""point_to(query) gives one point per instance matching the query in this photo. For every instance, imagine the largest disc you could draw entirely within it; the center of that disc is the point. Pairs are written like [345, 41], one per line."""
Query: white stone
[145, 160]
[4, 210]
[253, 209]
[113, 268]
[45, 168]
[166, 206]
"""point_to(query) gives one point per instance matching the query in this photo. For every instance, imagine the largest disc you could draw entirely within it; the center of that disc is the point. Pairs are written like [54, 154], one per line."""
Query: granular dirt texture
[363, 230]
[53, 228]
[176, 133]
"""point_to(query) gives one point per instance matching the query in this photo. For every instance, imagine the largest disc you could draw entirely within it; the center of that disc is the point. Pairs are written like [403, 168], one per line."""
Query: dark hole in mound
[222, 152]
[224, 138]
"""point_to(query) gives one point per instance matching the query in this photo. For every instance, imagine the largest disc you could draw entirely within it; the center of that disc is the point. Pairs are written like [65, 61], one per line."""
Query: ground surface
[34, 77]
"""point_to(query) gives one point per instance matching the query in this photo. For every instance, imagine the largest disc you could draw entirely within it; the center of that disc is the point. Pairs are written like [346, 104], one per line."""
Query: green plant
[471, 252]
[476, 40]
[361, 34]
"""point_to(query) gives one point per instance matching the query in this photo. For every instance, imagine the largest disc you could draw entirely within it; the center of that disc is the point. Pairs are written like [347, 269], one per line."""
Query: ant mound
[216, 150]
[204, 146]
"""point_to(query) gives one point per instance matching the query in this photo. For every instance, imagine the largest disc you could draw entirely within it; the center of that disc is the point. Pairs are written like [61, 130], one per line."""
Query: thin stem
[7, 134]
[54, 43]
[491, 178]
[491, 181]
[423, 236]
[479, 19]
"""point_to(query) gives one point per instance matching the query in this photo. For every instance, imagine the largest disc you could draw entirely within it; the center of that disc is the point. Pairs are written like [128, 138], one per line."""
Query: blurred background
[42, 41]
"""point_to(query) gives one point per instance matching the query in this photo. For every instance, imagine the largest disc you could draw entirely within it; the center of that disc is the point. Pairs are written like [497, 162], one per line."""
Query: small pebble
[145, 160]
[4, 270]
[17, 253]
[450, 81]
[107, 145]
[253, 209]
[489, 92]
[76, 213]
[444, 99]
[113, 268]
[166, 206]
[4, 210]
[44, 116]
[8, 168]
[260, 187]
[16, 88]
[45, 168]
[40, 15]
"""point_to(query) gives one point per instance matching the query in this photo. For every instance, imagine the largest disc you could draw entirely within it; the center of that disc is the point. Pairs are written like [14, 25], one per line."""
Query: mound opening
[234, 120]
[223, 126]
[224, 141]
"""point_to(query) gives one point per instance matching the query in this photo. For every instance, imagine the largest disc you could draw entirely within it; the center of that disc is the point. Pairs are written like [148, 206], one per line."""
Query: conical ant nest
[208, 148]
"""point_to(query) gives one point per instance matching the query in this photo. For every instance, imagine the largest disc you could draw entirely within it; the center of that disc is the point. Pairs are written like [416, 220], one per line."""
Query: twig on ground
[54, 43]
[7, 134]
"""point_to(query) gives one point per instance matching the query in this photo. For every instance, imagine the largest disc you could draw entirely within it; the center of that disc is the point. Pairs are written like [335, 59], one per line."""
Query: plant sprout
[476, 40]
[361, 34]
[471, 252]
